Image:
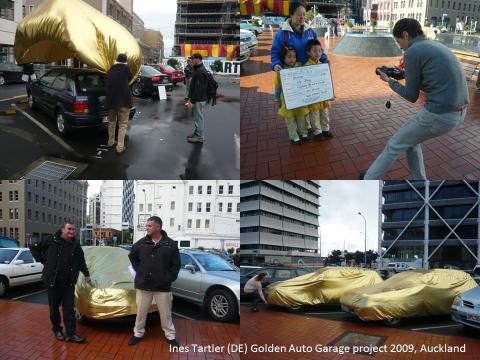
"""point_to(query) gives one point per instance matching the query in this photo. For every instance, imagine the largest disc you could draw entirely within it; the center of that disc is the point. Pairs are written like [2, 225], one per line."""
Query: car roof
[76, 71]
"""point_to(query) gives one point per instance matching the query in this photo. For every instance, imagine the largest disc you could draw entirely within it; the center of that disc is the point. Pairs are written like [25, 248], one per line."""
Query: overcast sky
[158, 15]
[340, 203]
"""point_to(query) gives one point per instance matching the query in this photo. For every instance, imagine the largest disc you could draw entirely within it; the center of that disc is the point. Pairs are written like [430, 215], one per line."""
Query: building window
[140, 207]
[207, 207]
[16, 214]
[29, 196]
[10, 196]
[10, 214]
[199, 207]
[220, 207]
[49, 218]
[189, 223]
[172, 222]
[198, 224]
[190, 206]
[230, 189]
[220, 189]
[238, 207]
[209, 189]
[207, 224]
[199, 190]
[190, 190]
[172, 205]
[1, 214]
[229, 207]
[36, 215]
[43, 217]
[149, 208]
[1, 196]
[36, 199]
[6, 10]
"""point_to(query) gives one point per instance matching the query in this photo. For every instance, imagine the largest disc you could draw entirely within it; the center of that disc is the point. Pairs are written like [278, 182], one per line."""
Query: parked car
[10, 73]
[244, 53]
[476, 273]
[323, 286]
[223, 255]
[247, 25]
[274, 274]
[248, 38]
[466, 308]
[148, 81]
[408, 294]
[209, 281]
[174, 75]
[18, 267]
[7, 242]
[247, 269]
[75, 98]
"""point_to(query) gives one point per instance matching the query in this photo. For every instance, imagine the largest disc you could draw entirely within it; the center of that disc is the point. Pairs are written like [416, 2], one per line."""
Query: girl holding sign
[295, 118]
[319, 116]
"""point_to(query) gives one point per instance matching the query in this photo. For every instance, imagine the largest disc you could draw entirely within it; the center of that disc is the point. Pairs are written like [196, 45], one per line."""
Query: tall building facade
[31, 210]
[10, 15]
[94, 211]
[195, 213]
[111, 195]
[128, 202]
[213, 23]
[279, 221]
[436, 221]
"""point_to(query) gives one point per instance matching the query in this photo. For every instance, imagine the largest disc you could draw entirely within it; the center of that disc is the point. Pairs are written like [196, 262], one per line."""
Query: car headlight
[457, 301]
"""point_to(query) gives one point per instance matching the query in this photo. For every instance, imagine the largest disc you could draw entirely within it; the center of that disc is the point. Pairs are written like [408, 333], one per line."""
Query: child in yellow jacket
[319, 115]
[295, 119]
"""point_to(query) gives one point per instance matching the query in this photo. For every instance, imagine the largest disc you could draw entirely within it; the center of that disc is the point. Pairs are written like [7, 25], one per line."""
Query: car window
[186, 260]
[16, 68]
[285, 274]
[212, 262]
[26, 256]
[270, 272]
[48, 79]
[149, 71]
[7, 255]
[3, 67]
[60, 82]
[302, 272]
[90, 82]
[169, 68]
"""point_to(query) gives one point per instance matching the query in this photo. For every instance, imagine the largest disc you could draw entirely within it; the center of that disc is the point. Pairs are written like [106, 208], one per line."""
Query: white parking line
[44, 128]
[236, 141]
[14, 98]
[182, 316]
[37, 292]
[436, 327]
[326, 313]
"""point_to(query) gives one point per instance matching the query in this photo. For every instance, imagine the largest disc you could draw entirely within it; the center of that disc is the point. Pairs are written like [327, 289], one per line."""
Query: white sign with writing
[306, 85]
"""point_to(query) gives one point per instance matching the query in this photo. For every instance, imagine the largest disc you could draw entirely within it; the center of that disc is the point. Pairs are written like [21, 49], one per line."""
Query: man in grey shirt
[433, 68]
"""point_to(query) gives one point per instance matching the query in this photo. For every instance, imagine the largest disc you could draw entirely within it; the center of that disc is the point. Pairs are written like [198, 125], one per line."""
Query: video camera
[392, 72]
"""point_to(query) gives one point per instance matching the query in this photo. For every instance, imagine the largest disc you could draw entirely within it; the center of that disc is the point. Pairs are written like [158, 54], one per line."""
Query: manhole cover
[49, 170]
[359, 341]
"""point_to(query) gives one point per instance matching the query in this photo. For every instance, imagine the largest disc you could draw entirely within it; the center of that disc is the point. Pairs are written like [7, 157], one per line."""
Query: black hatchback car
[148, 81]
[10, 73]
[74, 97]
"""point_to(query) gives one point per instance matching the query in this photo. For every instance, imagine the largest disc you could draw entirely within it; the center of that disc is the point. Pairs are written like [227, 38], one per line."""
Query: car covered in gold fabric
[408, 294]
[323, 286]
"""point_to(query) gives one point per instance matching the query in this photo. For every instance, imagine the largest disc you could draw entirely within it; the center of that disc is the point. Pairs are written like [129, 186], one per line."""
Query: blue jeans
[423, 126]
[256, 300]
[198, 116]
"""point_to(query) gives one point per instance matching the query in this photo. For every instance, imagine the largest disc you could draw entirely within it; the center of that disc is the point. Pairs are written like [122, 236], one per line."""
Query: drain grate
[359, 340]
[49, 170]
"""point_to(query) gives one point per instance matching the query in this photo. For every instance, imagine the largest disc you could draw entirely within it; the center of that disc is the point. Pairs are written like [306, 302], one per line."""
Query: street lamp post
[359, 213]
[145, 200]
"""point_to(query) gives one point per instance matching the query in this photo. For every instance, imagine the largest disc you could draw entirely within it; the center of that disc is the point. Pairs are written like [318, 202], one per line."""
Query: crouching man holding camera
[433, 68]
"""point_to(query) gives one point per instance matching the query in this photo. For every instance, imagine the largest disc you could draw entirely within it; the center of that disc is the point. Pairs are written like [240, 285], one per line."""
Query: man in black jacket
[62, 258]
[156, 261]
[197, 97]
[118, 101]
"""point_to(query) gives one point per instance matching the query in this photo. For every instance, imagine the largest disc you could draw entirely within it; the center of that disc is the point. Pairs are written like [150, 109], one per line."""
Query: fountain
[368, 44]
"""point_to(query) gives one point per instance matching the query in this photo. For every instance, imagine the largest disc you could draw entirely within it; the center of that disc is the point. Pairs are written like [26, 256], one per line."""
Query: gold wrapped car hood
[320, 287]
[112, 294]
[63, 29]
[410, 293]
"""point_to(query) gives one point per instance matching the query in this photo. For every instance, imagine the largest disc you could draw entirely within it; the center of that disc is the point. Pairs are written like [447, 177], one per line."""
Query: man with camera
[433, 68]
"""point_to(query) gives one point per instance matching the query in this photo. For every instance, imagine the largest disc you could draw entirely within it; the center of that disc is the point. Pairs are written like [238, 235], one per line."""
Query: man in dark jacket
[156, 261]
[118, 101]
[62, 258]
[236, 258]
[197, 97]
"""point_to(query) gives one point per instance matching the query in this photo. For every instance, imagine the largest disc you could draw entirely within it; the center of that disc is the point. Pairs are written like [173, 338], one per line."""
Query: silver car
[466, 308]
[209, 281]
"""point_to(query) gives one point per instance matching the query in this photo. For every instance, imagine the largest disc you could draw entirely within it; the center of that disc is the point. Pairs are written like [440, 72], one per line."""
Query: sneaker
[59, 335]
[173, 343]
[195, 139]
[191, 135]
[254, 309]
[296, 142]
[75, 338]
[304, 138]
[134, 340]
[327, 134]
[319, 137]
[120, 152]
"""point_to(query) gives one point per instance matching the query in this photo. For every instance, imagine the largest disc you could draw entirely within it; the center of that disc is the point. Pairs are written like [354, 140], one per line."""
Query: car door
[187, 284]
[41, 89]
[54, 92]
[24, 273]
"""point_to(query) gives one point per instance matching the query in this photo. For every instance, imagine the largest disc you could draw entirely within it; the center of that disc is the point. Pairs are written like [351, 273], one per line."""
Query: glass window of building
[220, 189]
[16, 214]
[16, 195]
[198, 224]
[172, 222]
[10, 214]
[6, 9]
[149, 207]
[190, 190]
[1, 214]
[207, 207]
[229, 207]
[207, 223]
[189, 223]
[238, 207]
[209, 189]
[10, 196]
[190, 206]
[230, 189]
[140, 207]
[199, 190]
[172, 205]
[199, 207]
[220, 207]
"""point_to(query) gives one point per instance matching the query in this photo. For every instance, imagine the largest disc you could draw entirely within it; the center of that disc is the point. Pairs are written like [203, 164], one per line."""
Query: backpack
[212, 87]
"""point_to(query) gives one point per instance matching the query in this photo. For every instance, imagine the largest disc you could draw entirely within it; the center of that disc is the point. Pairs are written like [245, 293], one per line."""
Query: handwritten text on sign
[306, 85]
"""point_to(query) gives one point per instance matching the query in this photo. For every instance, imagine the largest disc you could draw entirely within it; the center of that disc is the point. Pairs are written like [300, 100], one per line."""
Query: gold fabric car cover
[112, 294]
[408, 294]
[323, 286]
[63, 29]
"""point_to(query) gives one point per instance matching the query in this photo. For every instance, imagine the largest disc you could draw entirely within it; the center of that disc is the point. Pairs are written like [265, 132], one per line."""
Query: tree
[217, 66]
[358, 256]
[230, 251]
[334, 257]
[173, 63]
[309, 15]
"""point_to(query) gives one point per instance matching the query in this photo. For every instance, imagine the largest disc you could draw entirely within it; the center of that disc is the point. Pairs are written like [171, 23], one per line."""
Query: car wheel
[63, 126]
[394, 322]
[2, 80]
[79, 317]
[31, 102]
[136, 89]
[3, 286]
[222, 305]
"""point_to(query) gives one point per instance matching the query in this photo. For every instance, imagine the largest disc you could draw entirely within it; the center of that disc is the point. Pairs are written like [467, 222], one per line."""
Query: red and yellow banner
[258, 7]
[251, 7]
[211, 50]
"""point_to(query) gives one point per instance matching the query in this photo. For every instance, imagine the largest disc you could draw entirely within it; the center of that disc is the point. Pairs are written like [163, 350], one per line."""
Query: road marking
[236, 140]
[44, 128]
[13, 98]
[326, 313]
[37, 292]
[182, 316]
[436, 327]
